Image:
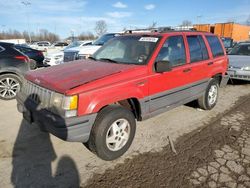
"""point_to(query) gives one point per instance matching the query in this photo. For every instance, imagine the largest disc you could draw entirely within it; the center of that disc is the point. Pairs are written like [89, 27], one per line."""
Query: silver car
[239, 61]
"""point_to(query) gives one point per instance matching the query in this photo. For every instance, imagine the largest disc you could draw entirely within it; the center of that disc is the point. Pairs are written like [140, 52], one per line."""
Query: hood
[74, 49]
[66, 76]
[239, 60]
[89, 49]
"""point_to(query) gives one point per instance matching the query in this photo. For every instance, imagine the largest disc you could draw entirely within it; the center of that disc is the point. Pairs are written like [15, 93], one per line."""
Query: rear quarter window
[215, 45]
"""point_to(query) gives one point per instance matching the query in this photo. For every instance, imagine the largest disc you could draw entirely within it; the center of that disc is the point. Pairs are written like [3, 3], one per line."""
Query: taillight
[23, 58]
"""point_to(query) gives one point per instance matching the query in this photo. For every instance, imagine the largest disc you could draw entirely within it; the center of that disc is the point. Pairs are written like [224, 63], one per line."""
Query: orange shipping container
[203, 27]
[235, 31]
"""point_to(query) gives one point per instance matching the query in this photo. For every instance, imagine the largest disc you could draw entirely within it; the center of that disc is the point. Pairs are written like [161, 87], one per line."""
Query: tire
[10, 85]
[210, 97]
[33, 64]
[112, 133]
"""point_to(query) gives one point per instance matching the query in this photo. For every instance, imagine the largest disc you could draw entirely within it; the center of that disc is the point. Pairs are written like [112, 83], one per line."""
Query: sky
[66, 16]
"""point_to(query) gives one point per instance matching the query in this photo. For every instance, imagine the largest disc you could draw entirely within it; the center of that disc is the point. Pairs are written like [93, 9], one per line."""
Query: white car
[83, 52]
[41, 45]
[56, 58]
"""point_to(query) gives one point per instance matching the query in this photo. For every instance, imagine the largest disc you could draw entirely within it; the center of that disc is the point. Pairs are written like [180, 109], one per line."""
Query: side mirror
[163, 66]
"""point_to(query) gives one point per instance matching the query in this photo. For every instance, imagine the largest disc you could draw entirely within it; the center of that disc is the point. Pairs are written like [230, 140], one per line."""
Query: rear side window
[215, 45]
[173, 51]
[197, 48]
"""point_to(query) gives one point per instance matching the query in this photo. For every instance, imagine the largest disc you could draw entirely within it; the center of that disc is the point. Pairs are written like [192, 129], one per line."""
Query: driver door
[169, 88]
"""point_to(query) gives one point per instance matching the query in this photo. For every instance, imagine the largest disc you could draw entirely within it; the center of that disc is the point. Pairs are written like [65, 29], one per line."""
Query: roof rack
[147, 30]
[159, 30]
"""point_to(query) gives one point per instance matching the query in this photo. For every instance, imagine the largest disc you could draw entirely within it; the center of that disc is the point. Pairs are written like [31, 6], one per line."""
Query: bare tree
[101, 27]
[86, 36]
[42, 35]
[153, 25]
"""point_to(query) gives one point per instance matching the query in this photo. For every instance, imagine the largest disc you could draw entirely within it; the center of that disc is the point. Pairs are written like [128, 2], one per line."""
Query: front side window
[127, 50]
[173, 51]
[215, 46]
[197, 48]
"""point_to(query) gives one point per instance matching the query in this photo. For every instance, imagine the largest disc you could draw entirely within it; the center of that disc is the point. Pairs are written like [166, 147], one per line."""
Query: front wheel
[10, 85]
[112, 133]
[210, 97]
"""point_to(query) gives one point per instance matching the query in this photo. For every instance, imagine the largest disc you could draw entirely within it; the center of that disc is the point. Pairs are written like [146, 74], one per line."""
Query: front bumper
[76, 129]
[239, 74]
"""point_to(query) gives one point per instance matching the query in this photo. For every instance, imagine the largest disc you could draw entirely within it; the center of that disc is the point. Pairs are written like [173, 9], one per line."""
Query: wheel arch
[218, 76]
[132, 104]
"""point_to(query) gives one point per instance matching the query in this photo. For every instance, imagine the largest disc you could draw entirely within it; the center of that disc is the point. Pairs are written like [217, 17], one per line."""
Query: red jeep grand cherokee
[132, 77]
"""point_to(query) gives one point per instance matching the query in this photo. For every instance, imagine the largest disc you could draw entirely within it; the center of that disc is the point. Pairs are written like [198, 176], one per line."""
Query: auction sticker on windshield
[148, 39]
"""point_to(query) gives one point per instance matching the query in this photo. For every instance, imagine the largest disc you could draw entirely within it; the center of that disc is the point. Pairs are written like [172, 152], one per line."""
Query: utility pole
[199, 18]
[26, 4]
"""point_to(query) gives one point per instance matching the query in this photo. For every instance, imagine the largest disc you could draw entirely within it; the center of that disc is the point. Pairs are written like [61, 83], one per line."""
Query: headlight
[245, 68]
[64, 105]
[84, 56]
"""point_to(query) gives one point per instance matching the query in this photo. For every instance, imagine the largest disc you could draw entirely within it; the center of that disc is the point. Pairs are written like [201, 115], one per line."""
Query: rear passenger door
[199, 60]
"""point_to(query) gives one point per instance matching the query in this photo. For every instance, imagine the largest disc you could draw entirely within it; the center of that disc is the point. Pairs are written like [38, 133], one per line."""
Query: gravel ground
[30, 158]
[216, 156]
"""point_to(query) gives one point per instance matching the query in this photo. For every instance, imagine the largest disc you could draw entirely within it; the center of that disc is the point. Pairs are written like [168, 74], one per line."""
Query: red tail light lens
[24, 58]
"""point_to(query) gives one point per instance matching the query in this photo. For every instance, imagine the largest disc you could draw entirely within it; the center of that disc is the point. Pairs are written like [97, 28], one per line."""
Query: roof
[6, 43]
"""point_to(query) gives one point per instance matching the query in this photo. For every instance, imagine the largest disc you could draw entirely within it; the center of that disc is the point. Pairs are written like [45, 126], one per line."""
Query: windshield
[74, 44]
[240, 49]
[103, 39]
[127, 50]
[227, 42]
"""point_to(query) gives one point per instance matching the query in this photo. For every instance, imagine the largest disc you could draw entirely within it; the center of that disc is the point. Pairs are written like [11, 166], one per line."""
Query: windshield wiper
[109, 60]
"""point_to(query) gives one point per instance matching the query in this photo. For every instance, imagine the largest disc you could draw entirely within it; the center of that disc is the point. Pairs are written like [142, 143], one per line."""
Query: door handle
[187, 70]
[210, 63]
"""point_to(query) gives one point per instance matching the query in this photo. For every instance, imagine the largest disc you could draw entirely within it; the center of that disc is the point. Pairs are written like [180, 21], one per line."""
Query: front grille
[243, 77]
[70, 56]
[39, 95]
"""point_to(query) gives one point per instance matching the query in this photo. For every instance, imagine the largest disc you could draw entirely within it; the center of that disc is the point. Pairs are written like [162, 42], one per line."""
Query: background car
[228, 43]
[13, 65]
[36, 55]
[41, 45]
[85, 51]
[239, 61]
[56, 58]
[59, 45]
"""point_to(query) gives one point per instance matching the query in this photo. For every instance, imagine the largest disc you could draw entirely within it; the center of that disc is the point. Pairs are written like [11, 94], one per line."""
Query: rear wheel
[210, 97]
[33, 64]
[10, 85]
[112, 133]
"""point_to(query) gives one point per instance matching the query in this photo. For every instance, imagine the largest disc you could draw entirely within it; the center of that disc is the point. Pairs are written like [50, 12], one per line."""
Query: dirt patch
[5, 151]
[194, 150]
